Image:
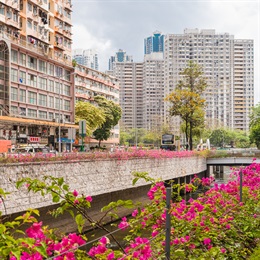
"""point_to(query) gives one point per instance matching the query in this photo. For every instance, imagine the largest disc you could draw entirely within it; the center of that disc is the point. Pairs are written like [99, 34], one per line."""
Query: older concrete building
[36, 74]
[90, 83]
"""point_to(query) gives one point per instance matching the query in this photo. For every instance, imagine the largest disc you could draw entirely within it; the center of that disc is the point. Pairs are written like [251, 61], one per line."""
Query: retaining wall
[90, 177]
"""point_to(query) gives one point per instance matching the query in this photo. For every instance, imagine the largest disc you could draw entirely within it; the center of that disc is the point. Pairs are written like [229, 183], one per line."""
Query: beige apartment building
[37, 90]
[36, 74]
[130, 77]
[90, 83]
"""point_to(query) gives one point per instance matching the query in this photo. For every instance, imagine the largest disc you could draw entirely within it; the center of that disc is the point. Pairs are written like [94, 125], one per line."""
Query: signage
[33, 139]
[65, 140]
[82, 127]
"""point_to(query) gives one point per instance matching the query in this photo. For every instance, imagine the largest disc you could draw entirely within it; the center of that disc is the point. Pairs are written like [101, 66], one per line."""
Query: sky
[110, 25]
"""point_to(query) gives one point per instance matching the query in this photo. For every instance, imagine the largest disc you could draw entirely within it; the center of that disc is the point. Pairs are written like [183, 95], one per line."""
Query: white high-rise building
[130, 77]
[88, 58]
[153, 91]
[226, 64]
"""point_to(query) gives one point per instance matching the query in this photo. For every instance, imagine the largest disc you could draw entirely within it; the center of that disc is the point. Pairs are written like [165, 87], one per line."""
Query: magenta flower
[75, 193]
[123, 224]
[206, 241]
[89, 198]
[35, 231]
[223, 250]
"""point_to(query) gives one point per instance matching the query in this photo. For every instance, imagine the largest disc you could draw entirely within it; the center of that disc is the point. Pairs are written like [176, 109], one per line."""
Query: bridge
[230, 161]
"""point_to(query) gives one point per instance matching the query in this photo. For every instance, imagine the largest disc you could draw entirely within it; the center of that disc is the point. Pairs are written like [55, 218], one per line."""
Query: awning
[23, 121]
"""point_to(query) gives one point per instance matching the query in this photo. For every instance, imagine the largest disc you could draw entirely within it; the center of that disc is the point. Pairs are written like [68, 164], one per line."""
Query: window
[14, 75]
[32, 80]
[67, 90]
[22, 96]
[67, 105]
[22, 77]
[58, 87]
[14, 110]
[2, 9]
[22, 111]
[42, 83]
[51, 115]
[58, 71]
[42, 66]
[22, 59]
[29, 23]
[14, 93]
[51, 85]
[67, 75]
[32, 112]
[57, 103]
[32, 62]
[42, 100]
[29, 5]
[14, 56]
[43, 114]
[51, 102]
[51, 69]
[32, 98]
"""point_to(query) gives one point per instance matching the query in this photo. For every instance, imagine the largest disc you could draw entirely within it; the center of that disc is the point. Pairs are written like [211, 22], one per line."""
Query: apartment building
[88, 58]
[243, 83]
[90, 83]
[153, 91]
[120, 56]
[154, 43]
[228, 66]
[36, 74]
[130, 77]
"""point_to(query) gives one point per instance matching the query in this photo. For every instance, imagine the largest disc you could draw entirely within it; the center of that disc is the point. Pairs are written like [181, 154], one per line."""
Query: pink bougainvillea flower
[89, 198]
[76, 202]
[75, 193]
[206, 241]
[35, 231]
[123, 224]
[223, 250]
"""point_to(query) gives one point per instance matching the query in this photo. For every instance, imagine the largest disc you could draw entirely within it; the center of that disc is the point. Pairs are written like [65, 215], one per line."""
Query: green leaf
[80, 222]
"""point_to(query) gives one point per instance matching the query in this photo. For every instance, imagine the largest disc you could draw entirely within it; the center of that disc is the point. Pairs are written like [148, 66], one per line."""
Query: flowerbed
[118, 155]
[214, 226]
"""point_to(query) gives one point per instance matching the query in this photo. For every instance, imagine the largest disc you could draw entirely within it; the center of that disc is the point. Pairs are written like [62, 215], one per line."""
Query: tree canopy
[255, 125]
[186, 100]
[93, 115]
[112, 113]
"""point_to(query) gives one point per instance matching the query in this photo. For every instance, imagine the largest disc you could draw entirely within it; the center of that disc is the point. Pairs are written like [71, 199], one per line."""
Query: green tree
[186, 99]
[186, 104]
[255, 125]
[93, 115]
[112, 113]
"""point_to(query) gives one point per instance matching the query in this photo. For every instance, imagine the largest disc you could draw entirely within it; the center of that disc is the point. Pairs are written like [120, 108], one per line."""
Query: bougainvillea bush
[216, 225]
[117, 155]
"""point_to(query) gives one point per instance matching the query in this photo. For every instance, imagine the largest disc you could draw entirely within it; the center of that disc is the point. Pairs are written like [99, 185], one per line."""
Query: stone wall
[90, 177]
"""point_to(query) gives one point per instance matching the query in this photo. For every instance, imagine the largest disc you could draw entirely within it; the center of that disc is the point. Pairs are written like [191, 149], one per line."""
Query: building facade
[130, 77]
[226, 64]
[154, 43]
[153, 91]
[90, 83]
[120, 56]
[88, 58]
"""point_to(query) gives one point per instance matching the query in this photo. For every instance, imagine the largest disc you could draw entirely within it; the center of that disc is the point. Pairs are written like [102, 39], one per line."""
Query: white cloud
[112, 24]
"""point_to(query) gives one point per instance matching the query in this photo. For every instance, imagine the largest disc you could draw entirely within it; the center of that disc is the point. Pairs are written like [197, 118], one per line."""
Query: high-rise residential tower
[154, 43]
[130, 77]
[120, 56]
[153, 91]
[88, 58]
[228, 66]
